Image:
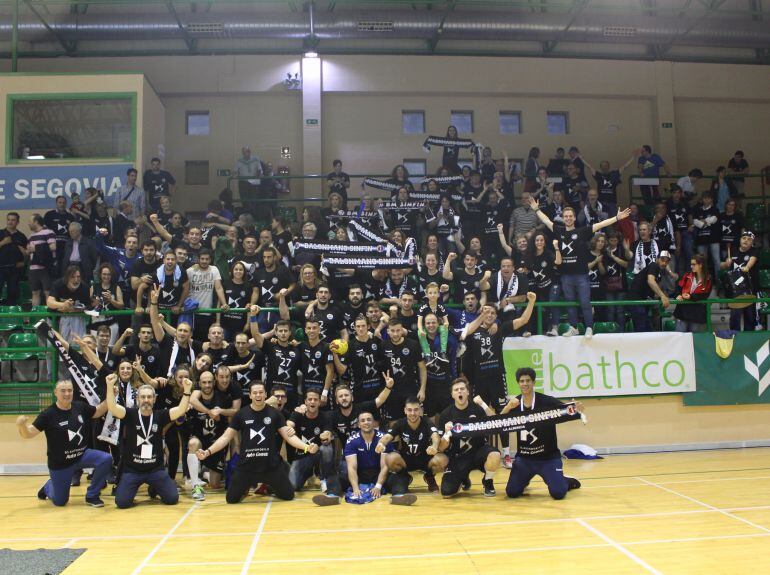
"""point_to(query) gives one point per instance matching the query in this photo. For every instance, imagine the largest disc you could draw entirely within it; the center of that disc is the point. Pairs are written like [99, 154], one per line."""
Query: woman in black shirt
[543, 276]
[239, 293]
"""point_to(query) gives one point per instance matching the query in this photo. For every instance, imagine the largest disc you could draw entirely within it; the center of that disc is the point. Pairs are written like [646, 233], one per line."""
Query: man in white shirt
[248, 166]
[205, 280]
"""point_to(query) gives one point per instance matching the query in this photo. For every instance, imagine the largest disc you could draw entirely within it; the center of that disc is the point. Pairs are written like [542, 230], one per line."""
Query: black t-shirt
[252, 372]
[350, 314]
[65, 432]
[363, 360]
[228, 396]
[330, 321]
[708, 234]
[741, 259]
[440, 312]
[208, 233]
[575, 252]
[663, 235]
[538, 441]
[270, 283]
[143, 440]
[281, 242]
[337, 184]
[460, 446]
[260, 441]
[217, 355]
[466, 283]
[61, 292]
[149, 359]
[487, 353]
[237, 296]
[679, 214]
[640, 289]
[10, 254]
[731, 229]
[59, 223]
[344, 425]
[302, 293]
[140, 268]
[283, 363]
[171, 290]
[413, 442]
[517, 287]
[401, 360]
[309, 430]
[372, 288]
[252, 263]
[607, 185]
[314, 362]
[542, 269]
[575, 191]
[166, 346]
[157, 184]
[202, 425]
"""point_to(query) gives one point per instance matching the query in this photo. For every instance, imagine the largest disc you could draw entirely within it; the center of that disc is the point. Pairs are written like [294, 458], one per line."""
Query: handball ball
[339, 346]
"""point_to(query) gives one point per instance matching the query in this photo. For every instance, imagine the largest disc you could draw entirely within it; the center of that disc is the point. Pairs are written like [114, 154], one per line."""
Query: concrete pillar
[311, 125]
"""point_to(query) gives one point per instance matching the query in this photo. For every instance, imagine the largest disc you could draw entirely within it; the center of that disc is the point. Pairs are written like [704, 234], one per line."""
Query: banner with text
[35, 187]
[606, 365]
[741, 378]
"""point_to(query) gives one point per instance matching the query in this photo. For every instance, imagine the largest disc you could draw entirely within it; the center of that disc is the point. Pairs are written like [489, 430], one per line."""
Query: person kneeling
[538, 452]
[142, 456]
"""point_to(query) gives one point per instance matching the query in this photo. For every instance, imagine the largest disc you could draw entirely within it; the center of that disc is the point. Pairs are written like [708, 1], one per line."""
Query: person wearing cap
[647, 285]
[745, 258]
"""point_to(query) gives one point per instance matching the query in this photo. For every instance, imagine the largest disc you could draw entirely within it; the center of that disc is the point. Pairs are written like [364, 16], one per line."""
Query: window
[197, 123]
[510, 122]
[413, 121]
[415, 167]
[558, 123]
[463, 121]
[196, 172]
[71, 126]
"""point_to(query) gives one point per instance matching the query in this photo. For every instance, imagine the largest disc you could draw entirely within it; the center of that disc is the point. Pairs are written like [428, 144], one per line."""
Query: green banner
[741, 378]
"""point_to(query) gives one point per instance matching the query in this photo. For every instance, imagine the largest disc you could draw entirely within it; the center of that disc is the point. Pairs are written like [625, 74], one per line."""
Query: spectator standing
[694, 285]
[738, 165]
[58, 221]
[13, 253]
[649, 165]
[81, 251]
[42, 259]
[248, 167]
[131, 193]
[158, 183]
[338, 181]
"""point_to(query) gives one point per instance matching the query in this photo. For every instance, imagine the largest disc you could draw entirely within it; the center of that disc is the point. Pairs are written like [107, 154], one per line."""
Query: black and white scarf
[434, 197]
[341, 248]
[352, 215]
[593, 218]
[390, 292]
[174, 353]
[444, 182]
[401, 206]
[84, 380]
[641, 260]
[450, 143]
[511, 422]
[381, 185]
[510, 289]
[367, 263]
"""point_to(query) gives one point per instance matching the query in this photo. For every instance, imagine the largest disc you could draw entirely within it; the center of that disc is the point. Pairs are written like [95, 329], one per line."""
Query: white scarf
[174, 353]
[641, 261]
[595, 218]
[511, 288]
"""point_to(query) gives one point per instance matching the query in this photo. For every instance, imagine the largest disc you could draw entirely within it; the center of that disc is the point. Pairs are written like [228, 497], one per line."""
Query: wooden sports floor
[692, 512]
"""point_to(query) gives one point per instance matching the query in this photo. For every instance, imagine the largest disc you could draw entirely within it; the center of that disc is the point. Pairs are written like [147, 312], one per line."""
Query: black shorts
[438, 396]
[494, 394]
[416, 462]
[460, 467]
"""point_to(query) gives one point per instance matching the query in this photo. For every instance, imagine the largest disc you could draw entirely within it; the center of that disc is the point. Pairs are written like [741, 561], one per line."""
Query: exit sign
[667, 125]
[223, 173]
[311, 122]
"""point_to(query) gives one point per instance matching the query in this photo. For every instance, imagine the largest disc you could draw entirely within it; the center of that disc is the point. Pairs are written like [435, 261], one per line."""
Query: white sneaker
[323, 486]
[198, 493]
[571, 331]
[589, 333]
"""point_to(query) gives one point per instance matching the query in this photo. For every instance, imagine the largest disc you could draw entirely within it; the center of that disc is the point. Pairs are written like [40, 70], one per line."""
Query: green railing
[755, 188]
[27, 397]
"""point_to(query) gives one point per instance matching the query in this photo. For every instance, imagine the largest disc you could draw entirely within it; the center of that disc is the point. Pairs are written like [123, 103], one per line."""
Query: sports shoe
[442, 358]
[466, 484]
[571, 331]
[323, 485]
[430, 479]
[261, 490]
[198, 493]
[553, 332]
[151, 491]
[572, 483]
[489, 487]
[589, 333]
[41, 494]
[405, 499]
[325, 500]
[94, 502]
[75, 481]
[508, 461]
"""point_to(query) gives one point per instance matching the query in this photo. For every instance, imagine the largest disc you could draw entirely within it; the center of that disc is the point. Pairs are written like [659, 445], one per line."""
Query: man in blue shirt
[649, 165]
[364, 466]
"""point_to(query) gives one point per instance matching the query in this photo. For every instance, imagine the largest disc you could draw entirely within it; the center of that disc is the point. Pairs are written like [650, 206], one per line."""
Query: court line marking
[401, 528]
[163, 540]
[474, 552]
[70, 543]
[722, 511]
[617, 546]
[255, 541]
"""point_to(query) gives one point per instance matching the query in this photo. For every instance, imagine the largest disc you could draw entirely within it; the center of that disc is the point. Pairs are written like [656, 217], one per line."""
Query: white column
[311, 125]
